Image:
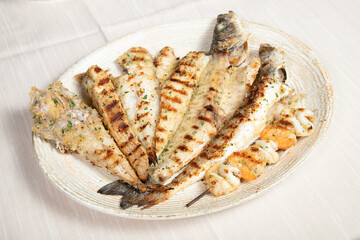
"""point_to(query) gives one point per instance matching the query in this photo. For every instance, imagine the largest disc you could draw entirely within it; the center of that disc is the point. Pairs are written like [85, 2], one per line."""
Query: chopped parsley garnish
[69, 115]
[55, 101]
[72, 104]
[145, 97]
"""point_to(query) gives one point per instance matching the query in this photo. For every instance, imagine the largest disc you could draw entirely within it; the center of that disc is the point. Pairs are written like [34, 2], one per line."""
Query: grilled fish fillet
[240, 131]
[165, 63]
[199, 123]
[176, 94]
[236, 90]
[61, 117]
[212, 101]
[102, 92]
[138, 90]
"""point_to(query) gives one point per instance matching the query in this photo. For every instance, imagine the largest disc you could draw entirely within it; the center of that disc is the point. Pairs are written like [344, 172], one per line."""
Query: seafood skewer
[245, 126]
[176, 94]
[165, 64]
[139, 92]
[61, 117]
[211, 104]
[251, 161]
[102, 92]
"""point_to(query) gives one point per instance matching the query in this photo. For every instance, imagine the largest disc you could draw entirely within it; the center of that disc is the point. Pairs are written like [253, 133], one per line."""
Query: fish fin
[131, 195]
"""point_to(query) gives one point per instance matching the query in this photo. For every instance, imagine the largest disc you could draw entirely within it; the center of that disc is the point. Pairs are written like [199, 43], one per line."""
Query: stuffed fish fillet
[240, 131]
[165, 64]
[138, 90]
[102, 92]
[212, 102]
[176, 94]
[61, 117]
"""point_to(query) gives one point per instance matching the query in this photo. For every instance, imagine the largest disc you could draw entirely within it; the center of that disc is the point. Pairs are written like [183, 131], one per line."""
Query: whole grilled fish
[138, 90]
[165, 64]
[209, 105]
[102, 92]
[240, 131]
[176, 94]
[61, 117]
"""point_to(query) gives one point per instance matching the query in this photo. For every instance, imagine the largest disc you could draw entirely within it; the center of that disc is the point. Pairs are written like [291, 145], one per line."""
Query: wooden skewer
[198, 198]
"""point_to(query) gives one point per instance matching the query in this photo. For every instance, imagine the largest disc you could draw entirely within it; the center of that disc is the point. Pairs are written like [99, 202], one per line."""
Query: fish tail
[153, 199]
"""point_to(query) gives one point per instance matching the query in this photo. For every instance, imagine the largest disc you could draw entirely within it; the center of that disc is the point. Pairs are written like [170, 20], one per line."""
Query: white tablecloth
[39, 40]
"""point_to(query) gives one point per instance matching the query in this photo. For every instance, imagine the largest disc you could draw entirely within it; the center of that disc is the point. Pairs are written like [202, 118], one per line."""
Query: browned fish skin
[60, 116]
[107, 102]
[176, 94]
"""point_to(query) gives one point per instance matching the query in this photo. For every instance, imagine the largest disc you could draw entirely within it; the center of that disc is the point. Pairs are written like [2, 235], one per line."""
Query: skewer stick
[198, 198]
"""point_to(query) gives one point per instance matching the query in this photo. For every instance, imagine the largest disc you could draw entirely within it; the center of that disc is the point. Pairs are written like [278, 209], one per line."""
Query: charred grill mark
[217, 147]
[123, 127]
[206, 119]
[108, 154]
[212, 89]
[131, 137]
[254, 149]
[184, 83]
[172, 99]
[195, 127]
[103, 81]
[177, 160]
[188, 137]
[111, 105]
[123, 145]
[137, 147]
[195, 165]
[183, 148]
[97, 69]
[182, 92]
[140, 116]
[286, 123]
[116, 117]
[159, 140]
[209, 108]
[168, 107]
[141, 128]
[160, 129]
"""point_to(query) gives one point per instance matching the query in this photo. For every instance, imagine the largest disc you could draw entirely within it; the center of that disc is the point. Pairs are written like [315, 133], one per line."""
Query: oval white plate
[80, 180]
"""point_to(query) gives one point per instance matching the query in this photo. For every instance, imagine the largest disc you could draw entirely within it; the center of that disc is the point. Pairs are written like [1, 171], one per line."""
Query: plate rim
[328, 117]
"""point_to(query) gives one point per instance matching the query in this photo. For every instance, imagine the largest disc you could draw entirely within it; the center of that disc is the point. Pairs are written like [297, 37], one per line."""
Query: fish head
[272, 63]
[229, 37]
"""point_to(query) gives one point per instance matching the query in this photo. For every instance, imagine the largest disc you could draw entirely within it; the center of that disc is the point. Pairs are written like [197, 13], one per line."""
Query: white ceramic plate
[80, 180]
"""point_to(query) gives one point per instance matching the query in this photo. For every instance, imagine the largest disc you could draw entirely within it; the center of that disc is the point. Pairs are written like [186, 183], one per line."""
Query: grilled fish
[165, 63]
[230, 37]
[102, 92]
[240, 131]
[176, 94]
[61, 117]
[138, 90]
[211, 103]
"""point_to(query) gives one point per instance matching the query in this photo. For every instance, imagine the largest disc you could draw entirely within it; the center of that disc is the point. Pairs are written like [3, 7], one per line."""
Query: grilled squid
[222, 179]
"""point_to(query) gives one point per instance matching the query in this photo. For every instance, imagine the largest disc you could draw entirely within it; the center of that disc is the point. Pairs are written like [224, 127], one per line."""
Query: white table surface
[39, 40]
